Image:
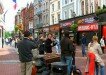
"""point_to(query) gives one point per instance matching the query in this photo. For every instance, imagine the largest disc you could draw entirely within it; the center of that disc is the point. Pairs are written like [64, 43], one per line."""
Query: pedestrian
[16, 41]
[41, 47]
[102, 43]
[49, 43]
[83, 42]
[98, 52]
[25, 47]
[67, 49]
[90, 63]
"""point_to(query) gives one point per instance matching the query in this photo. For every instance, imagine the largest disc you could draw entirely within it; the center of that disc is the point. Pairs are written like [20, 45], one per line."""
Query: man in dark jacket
[67, 49]
[25, 55]
[83, 41]
[49, 44]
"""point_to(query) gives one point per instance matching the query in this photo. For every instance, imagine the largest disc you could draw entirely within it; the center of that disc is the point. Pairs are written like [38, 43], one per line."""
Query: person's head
[95, 38]
[27, 34]
[49, 35]
[83, 34]
[66, 33]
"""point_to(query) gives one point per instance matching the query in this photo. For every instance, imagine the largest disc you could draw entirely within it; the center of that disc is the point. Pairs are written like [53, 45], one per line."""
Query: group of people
[44, 45]
[94, 51]
[94, 61]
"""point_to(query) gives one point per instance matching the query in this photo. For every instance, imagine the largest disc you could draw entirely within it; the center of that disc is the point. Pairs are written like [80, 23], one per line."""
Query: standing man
[49, 43]
[67, 49]
[83, 41]
[25, 55]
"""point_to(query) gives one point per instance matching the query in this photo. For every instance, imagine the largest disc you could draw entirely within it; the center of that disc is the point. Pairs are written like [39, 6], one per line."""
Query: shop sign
[86, 20]
[68, 23]
[88, 27]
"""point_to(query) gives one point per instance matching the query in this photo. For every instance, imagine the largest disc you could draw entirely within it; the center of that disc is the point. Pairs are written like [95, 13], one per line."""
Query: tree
[74, 27]
[7, 34]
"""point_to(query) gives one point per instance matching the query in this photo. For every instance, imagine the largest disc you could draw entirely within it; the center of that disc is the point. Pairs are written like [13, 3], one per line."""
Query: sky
[10, 12]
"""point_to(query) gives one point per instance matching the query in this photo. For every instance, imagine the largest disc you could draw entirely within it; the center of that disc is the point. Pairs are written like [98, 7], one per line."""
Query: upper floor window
[58, 4]
[52, 7]
[46, 4]
[66, 1]
[58, 16]
[65, 14]
[71, 0]
[53, 19]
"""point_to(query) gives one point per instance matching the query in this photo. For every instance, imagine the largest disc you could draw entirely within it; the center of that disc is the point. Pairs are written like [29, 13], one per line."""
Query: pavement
[10, 65]
[81, 61]
[9, 61]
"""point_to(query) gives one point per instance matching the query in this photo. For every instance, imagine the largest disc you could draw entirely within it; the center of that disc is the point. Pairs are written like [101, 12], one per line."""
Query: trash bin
[58, 68]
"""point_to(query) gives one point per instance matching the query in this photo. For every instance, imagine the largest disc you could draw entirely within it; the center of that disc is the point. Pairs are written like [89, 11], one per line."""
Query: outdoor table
[51, 57]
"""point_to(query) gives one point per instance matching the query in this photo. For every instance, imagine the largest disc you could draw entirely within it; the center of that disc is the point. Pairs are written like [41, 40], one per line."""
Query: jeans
[68, 60]
[102, 70]
[83, 50]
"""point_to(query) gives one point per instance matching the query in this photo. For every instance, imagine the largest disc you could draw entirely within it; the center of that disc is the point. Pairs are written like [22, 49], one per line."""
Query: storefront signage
[68, 23]
[88, 27]
[86, 20]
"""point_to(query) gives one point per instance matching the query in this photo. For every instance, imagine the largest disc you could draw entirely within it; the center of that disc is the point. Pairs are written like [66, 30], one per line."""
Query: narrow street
[9, 62]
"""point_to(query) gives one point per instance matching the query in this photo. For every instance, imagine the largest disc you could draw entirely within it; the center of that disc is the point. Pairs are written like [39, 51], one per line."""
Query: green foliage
[7, 34]
[99, 7]
[104, 7]
[101, 11]
[16, 28]
[74, 27]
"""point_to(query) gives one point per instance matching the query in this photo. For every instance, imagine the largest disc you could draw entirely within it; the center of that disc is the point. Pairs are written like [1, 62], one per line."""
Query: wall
[54, 12]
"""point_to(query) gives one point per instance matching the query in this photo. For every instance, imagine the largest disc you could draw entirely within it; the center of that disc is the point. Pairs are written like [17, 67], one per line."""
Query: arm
[99, 49]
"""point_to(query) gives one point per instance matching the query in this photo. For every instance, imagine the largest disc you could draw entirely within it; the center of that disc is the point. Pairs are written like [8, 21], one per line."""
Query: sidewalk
[9, 62]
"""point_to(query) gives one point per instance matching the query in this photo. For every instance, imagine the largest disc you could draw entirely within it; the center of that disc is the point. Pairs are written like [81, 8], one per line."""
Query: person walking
[83, 41]
[67, 49]
[98, 52]
[102, 43]
[25, 55]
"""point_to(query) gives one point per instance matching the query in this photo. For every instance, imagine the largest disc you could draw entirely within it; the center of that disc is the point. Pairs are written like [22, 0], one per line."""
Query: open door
[104, 31]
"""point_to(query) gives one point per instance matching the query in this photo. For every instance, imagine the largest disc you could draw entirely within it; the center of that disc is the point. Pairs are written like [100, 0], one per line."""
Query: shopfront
[86, 24]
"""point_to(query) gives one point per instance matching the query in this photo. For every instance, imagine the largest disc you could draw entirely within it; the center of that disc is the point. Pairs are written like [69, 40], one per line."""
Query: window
[52, 19]
[66, 1]
[59, 17]
[46, 18]
[71, 0]
[46, 4]
[52, 7]
[65, 14]
[58, 4]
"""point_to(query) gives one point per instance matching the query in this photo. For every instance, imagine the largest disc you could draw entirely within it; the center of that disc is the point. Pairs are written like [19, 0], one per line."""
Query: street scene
[53, 37]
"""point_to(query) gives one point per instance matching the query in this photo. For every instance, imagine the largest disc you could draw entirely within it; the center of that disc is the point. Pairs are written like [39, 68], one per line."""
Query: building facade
[70, 9]
[1, 24]
[55, 11]
[41, 15]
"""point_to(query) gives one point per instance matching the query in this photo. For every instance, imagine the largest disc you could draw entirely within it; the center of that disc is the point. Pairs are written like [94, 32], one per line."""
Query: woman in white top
[102, 43]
